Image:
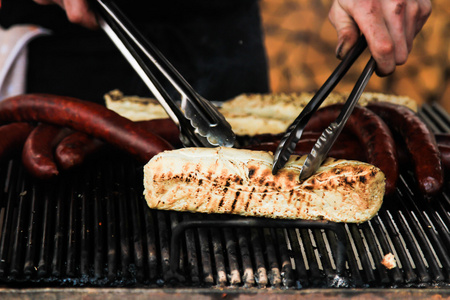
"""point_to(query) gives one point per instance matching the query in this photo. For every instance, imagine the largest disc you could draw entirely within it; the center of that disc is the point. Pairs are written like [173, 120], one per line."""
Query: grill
[92, 228]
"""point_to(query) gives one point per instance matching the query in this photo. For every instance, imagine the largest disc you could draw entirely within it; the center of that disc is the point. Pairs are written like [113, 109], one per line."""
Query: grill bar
[256, 242]
[192, 257]
[285, 262]
[426, 232]
[299, 259]
[379, 234]
[380, 272]
[92, 227]
[99, 235]
[205, 252]
[401, 248]
[248, 276]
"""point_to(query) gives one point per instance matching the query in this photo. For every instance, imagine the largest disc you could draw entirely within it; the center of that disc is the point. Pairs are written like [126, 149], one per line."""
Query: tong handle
[295, 130]
[109, 22]
[356, 92]
[201, 124]
[157, 58]
[187, 136]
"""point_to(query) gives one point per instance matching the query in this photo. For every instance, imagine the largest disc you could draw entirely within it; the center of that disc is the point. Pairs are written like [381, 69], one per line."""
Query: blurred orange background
[301, 44]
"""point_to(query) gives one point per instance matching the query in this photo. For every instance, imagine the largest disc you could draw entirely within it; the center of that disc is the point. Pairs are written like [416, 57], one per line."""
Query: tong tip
[288, 143]
[275, 168]
[282, 153]
[306, 171]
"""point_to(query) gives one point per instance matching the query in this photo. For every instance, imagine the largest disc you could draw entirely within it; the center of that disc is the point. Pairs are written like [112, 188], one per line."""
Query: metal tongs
[200, 123]
[326, 140]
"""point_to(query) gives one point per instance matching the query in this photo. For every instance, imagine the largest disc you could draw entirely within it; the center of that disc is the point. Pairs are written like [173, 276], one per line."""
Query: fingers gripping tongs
[200, 123]
[326, 140]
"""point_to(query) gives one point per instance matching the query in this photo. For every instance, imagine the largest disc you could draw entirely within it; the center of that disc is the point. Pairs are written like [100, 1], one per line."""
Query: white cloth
[13, 57]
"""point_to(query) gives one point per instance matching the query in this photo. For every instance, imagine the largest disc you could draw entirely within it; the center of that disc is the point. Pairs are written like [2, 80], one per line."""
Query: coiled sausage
[74, 149]
[420, 144]
[37, 153]
[13, 137]
[84, 116]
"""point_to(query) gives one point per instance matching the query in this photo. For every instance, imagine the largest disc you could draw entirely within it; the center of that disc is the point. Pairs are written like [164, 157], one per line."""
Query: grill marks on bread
[224, 180]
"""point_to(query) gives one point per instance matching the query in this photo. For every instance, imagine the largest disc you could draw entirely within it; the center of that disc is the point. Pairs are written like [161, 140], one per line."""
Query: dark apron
[217, 46]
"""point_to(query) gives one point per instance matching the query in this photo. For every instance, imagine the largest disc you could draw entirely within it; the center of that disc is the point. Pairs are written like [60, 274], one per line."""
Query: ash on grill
[92, 227]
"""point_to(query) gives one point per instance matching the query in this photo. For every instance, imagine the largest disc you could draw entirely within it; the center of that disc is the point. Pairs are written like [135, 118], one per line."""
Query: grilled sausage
[247, 141]
[375, 138]
[12, 137]
[405, 159]
[445, 156]
[420, 144]
[84, 116]
[165, 128]
[343, 148]
[37, 153]
[442, 138]
[74, 149]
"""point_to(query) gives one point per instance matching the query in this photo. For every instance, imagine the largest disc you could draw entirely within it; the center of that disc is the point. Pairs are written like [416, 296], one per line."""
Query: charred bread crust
[134, 108]
[237, 181]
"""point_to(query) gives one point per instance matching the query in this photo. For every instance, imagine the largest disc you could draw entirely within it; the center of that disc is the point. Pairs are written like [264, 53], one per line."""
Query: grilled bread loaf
[248, 114]
[237, 181]
[287, 106]
[133, 107]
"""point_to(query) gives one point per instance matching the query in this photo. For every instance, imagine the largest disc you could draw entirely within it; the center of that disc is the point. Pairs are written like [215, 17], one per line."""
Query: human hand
[389, 26]
[78, 11]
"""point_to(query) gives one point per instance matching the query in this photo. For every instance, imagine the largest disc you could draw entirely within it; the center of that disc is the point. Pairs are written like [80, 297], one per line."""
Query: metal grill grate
[92, 227]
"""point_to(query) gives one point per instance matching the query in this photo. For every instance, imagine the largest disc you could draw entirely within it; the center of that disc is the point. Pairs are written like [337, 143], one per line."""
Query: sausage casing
[37, 153]
[75, 148]
[84, 116]
[13, 137]
[420, 144]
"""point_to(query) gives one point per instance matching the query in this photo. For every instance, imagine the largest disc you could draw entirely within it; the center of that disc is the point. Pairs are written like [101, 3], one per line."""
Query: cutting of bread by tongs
[324, 143]
[200, 123]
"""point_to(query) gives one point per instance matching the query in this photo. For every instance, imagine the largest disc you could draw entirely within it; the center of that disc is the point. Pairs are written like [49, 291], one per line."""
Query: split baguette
[237, 181]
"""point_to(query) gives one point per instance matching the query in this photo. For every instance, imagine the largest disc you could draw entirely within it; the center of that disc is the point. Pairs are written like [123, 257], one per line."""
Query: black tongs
[323, 145]
[200, 123]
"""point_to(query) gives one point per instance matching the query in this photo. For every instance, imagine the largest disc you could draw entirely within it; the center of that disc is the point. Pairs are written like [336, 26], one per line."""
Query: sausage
[443, 149]
[442, 138]
[37, 153]
[420, 144]
[342, 149]
[405, 159]
[87, 117]
[75, 148]
[246, 141]
[375, 138]
[165, 128]
[445, 156]
[13, 137]
[257, 139]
